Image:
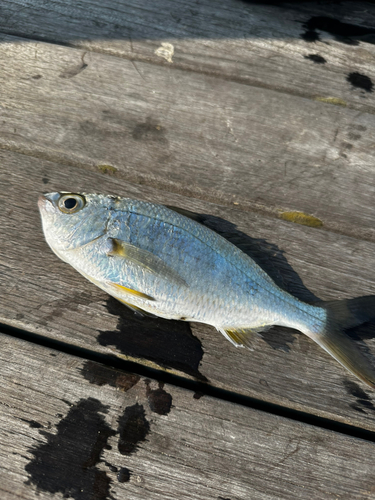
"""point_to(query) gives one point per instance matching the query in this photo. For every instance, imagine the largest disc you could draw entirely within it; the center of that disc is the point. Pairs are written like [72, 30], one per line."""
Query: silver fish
[159, 262]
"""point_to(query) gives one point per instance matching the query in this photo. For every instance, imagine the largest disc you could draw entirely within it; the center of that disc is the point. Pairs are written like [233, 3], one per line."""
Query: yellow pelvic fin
[132, 292]
[137, 310]
[146, 260]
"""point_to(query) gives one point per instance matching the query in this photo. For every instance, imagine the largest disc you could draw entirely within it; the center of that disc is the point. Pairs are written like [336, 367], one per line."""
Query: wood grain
[189, 133]
[267, 46]
[93, 425]
[41, 294]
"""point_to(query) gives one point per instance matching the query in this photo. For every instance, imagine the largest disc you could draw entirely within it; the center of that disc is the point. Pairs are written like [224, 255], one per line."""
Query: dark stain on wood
[98, 374]
[198, 395]
[66, 463]
[363, 401]
[347, 33]
[124, 475]
[111, 467]
[316, 58]
[45, 180]
[133, 428]
[32, 423]
[55, 309]
[150, 131]
[159, 400]
[360, 81]
[166, 342]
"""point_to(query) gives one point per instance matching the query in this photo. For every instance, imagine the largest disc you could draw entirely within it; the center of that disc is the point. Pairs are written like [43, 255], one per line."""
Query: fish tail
[341, 315]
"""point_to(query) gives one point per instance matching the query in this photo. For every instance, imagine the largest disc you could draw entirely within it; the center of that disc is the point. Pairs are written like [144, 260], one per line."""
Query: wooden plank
[189, 133]
[82, 430]
[41, 294]
[291, 48]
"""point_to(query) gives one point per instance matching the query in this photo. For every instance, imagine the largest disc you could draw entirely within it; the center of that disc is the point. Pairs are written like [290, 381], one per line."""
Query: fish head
[71, 220]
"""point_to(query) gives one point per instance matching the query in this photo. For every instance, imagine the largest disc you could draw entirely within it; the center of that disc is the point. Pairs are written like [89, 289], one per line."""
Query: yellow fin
[136, 309]
[240, 337]
[145, 260]
[132, 292]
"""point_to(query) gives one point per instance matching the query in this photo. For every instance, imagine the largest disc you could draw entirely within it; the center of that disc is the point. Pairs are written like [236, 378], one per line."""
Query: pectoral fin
[145, 260]
[241, 337]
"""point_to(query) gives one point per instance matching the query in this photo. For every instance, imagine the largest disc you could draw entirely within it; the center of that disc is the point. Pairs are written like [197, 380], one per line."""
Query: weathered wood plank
[291, 48]
[190, 133]
[41, 294]
[84, 431]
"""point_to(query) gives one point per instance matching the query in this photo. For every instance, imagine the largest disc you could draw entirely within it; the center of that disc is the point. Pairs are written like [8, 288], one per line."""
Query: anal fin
[239, 337]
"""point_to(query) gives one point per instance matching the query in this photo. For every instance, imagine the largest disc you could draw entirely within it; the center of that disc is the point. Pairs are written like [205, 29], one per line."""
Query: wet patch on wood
[316, 58]
[124, 475]
[133, 428]
[66, 463]
[98, 374]
[159, 400]
[347, 33]
[360, 81]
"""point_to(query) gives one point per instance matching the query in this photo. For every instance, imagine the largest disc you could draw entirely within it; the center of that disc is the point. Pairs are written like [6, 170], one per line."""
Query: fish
[162, 261]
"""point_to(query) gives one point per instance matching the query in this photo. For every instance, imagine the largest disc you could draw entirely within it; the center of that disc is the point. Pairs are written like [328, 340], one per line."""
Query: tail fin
[343, 314]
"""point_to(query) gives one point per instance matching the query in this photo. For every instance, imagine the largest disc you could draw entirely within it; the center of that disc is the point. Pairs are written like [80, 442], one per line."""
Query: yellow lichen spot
[331, 100]
[107, 169]
[301, 218]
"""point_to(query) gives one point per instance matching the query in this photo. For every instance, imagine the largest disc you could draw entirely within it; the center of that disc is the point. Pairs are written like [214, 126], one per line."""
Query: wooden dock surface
[260, 118]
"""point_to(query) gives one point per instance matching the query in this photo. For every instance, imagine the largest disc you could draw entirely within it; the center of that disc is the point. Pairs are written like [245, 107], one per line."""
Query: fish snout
[44, 203]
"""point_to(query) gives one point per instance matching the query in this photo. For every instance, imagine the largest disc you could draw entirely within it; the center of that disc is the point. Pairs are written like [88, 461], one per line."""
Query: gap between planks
[199, 388]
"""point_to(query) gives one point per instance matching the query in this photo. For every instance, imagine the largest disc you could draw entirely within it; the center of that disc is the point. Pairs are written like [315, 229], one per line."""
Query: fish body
[160, 262]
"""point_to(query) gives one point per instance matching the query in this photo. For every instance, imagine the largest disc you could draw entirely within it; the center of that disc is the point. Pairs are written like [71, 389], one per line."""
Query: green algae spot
[331, 100]
[301, 218]
[107, 169]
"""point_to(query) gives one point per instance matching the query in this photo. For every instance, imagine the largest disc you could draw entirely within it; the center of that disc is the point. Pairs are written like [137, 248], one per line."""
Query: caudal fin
[343, 314]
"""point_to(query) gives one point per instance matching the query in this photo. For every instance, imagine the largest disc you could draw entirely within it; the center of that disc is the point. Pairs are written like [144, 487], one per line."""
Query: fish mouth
[44, 203]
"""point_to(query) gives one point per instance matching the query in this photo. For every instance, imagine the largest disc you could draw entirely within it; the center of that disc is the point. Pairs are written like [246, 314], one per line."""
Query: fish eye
[71, 203]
